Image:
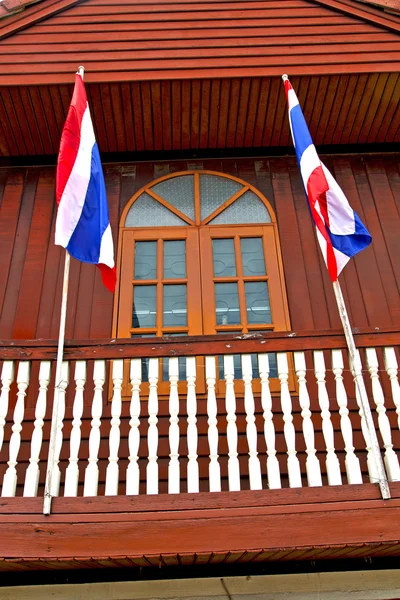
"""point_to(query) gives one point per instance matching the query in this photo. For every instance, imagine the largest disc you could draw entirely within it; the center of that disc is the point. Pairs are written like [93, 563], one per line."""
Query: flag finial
[285, 77]
[80, 71]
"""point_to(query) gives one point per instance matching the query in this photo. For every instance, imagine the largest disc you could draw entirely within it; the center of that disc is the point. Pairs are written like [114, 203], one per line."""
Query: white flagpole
[56, 408]
[356, 366]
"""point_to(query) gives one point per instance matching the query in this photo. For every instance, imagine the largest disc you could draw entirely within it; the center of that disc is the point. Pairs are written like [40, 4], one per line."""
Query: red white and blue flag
[83, 224]
[340, 232]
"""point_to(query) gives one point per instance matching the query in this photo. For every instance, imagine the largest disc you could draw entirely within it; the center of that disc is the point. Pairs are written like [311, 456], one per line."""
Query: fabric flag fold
[340, 231]
[83, 224]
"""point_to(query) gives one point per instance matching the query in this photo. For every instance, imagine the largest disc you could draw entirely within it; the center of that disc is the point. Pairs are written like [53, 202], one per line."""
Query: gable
[131, 40]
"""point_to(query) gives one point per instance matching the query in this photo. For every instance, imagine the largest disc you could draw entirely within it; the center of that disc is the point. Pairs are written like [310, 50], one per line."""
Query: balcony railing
[130, 425]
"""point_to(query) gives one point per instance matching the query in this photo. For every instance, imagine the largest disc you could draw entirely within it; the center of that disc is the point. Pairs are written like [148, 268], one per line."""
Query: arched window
[199, 254]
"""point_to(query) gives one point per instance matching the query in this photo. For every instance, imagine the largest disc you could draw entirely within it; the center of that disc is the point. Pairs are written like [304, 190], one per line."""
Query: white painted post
[293, 464]
[273, 470]
[58, 438]
[332, 461]
[192, 437]
[353, 469]
[92, 470]
[312, 463]
[231, 429]
[251, 429]
[132, 471]
[391, 369]
[390, 458]
[173, 466]
[32, 472]
[10, 477]
[72, 471]
[152, 434]
[112, 472]
[214, 471]
[7, 377]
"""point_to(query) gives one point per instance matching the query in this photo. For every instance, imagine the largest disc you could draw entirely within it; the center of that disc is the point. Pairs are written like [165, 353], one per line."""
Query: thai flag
[340, 232]
[83, 224]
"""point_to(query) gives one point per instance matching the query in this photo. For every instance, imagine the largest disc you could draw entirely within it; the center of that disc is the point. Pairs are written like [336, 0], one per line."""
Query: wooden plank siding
[128, 41]
[217, 113]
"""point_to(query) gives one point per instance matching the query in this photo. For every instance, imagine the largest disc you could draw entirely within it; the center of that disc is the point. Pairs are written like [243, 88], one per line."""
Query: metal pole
[60, 352]
[359, 381]
[54, 417]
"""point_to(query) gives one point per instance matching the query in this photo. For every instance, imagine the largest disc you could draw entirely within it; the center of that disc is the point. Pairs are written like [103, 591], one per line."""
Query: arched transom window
[199, 255]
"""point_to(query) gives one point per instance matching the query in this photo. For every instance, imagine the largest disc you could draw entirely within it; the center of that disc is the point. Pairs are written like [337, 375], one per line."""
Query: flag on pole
[340, 232]
[83, 224]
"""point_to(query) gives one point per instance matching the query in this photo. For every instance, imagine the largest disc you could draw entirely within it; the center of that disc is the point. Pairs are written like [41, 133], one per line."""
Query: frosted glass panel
[247, 209]
[147, 212]
[214, 191]
[178, 191]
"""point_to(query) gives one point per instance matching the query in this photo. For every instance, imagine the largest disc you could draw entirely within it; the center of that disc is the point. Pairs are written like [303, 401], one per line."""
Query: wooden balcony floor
[207, 528]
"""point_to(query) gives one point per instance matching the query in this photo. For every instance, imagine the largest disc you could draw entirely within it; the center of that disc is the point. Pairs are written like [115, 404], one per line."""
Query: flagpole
[56, 402]
[356, 367]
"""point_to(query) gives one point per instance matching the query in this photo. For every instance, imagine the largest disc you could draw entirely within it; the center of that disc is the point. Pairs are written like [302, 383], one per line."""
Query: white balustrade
[192, 437]
[152, 434]
[312, 463]
[32, 472]
[293, 464]
[391, 367]
[251, 429]
[7, 377]
[352, 463]
[92, 469]
[10, 476]
[72, 471]
[112, 472]
[132, 471]
[332, 461]
[214, 471]
[390, 458]
[62, 387]
[273, 470]
[173, 467]
[231, 429]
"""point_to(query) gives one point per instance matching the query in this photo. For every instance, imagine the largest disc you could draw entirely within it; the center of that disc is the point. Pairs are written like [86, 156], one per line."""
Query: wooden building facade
[210, 415]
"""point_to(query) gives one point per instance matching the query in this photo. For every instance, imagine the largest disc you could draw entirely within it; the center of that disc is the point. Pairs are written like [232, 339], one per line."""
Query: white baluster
[390, 458]
[273, 470]
[191, 407]
[391, 369]
[32, 472]
[152, 434]
[312, 463]
[173, 467]
[7, 377]
[332, 461]
[92, 469]
[112, 473]
[352, 463]
[293, 464]
[10, 477]
[231, 429]
[214, 471]
[372, 470]
[55, 482]
[72, 471]
[132, 472]
[251, 429]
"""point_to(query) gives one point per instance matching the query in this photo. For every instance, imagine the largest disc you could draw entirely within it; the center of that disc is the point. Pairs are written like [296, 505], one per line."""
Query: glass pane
[214, 191]
[147, 212]
[175, 311]
[145, 260]
[175, 259]
[257, 302]
[178, 191]
[252, 256]
[224, 258]
[227, 303]
[247, 209]
[144, 306]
